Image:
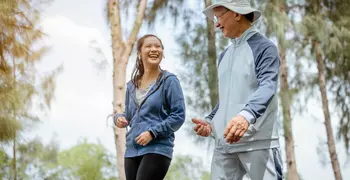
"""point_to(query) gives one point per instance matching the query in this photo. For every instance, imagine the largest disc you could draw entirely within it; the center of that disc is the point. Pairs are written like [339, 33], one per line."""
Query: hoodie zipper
[149, 94]
[142, 102]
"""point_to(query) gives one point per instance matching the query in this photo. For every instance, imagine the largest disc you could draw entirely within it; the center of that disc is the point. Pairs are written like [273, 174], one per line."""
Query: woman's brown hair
[139, 69]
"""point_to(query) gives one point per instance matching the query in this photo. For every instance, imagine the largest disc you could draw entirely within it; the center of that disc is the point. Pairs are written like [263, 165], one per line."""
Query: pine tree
[200, 45]
[19, 78]
[278, 24]
[338, 65]
[318, 35]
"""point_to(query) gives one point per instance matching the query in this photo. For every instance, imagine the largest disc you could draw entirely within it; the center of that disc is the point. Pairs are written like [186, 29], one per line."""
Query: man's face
[227, 21]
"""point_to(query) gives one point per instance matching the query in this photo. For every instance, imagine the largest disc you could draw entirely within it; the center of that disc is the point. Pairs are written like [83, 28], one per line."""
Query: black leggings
[147, 167]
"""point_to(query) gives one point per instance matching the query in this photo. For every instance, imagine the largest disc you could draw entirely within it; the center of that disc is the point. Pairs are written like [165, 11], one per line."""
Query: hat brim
[209, 11]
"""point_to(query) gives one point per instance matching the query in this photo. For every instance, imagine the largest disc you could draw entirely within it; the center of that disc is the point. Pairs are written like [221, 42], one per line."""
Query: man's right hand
[121, 122]
[202, 127]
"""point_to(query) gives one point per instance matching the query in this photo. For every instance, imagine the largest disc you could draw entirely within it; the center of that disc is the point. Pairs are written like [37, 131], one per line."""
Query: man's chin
[225, 34]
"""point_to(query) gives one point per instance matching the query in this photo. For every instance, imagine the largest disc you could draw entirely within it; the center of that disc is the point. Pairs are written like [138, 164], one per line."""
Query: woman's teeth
[153, 56]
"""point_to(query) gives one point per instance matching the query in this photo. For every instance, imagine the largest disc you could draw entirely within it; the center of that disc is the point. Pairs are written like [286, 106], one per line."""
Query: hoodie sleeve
[125, 113]
[267, 72]
[174, 97]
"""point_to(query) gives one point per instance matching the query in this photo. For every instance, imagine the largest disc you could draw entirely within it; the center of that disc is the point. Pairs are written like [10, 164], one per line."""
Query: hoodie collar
[244, 37]
[131, 87]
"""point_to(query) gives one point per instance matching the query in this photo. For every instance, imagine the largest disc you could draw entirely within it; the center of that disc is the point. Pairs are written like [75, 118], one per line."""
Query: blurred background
[57, 64]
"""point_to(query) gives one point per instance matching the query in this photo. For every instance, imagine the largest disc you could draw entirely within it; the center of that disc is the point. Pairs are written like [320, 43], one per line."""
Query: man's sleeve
[267, 68]
[212, 114]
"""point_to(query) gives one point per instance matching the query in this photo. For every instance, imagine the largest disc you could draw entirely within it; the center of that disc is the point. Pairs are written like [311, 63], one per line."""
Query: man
[244, 122]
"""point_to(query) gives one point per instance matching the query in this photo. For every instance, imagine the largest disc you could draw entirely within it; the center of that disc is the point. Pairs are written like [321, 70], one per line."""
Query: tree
[19, 78]
[34, 160]
[86, 161]
[200, 45]
[5, 164]
[20, 82]
[122, 50]
[338, 66]
[316, 32]
[278, 24]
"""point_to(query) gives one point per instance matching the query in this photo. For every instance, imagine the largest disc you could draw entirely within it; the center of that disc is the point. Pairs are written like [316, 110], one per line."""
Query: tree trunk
[14, 161]
[211, 64]
[119, 98]
[121, 52]
[292, 173]
[118, 83]
[329, 131]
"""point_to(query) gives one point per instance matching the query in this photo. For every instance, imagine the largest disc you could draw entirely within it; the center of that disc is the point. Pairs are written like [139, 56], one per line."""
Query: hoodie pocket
[223, 116]
[249, 134]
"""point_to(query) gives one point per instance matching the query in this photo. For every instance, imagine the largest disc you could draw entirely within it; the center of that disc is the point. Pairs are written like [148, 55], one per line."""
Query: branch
[114, 18]
[136, 28]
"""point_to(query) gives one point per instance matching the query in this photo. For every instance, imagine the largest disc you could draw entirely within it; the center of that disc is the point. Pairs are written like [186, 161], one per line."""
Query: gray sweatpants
[263, 164]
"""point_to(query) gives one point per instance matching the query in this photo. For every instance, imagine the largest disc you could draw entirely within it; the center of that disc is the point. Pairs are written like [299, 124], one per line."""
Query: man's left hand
[235, 129]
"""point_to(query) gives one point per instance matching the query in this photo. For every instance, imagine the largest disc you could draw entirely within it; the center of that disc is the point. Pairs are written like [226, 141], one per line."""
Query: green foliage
[20, 82]
[38, 161]
[34, 160]
[86, 161]
[338, 65]
[194, 42]
[185, 167]
[82, 161]
[199, 49]
[155, 10]
[34, 156]
[168, 8]
[328, 23]
[5, 164]
[277, 21]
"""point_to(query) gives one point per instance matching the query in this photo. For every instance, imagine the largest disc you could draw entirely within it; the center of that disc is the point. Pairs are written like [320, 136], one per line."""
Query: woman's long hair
[139, 68]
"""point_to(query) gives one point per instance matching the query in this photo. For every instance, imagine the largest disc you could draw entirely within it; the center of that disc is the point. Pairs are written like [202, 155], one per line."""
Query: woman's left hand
[144, 138]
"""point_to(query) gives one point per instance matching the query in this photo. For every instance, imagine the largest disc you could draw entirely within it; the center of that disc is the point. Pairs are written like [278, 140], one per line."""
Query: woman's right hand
[121, 122]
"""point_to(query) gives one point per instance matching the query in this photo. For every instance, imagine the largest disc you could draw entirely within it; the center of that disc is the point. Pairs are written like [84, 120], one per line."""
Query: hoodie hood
[165, 74]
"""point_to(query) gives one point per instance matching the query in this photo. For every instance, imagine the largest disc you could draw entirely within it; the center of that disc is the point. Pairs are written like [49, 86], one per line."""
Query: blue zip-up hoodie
[162, 112]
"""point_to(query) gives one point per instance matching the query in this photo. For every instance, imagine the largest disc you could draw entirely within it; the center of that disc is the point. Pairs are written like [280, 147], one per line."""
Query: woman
[154, 110]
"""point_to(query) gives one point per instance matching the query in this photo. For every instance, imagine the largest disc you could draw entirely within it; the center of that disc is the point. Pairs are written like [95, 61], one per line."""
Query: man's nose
[217, 24]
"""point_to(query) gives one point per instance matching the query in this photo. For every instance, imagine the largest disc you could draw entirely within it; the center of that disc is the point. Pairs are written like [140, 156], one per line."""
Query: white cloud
[62, 27]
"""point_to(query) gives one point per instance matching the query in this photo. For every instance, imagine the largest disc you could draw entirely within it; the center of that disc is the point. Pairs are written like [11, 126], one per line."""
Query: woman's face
[151, 52]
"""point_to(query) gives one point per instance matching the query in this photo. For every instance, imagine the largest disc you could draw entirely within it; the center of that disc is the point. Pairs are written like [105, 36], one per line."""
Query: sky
[83, 97]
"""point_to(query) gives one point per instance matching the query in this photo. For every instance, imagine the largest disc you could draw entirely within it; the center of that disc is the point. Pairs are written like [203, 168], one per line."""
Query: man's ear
[238, 17]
